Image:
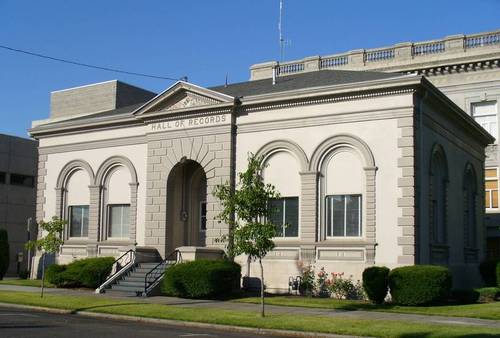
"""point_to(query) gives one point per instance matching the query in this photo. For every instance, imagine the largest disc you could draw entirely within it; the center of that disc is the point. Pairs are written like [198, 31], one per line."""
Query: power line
[86, 64]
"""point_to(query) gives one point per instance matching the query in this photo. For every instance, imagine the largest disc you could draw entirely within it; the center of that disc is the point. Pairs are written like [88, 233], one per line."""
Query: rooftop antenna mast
[280, 29]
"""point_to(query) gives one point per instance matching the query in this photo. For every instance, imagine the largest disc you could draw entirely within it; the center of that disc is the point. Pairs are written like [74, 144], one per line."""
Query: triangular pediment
[183, 96]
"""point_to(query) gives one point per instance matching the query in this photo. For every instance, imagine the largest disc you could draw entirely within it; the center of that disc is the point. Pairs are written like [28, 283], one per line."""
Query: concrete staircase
[132, 284]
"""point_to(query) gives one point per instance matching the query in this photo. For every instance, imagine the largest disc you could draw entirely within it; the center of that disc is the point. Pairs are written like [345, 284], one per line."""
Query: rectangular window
[119, 220]
[343, 215]
[22, 180]
[203, 216]
[78, 221]
[3, 177]
[285, 214]
[491, 188]
[485, 113]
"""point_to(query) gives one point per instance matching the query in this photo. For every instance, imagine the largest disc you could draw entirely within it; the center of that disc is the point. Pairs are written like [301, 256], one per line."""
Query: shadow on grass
[429, 334]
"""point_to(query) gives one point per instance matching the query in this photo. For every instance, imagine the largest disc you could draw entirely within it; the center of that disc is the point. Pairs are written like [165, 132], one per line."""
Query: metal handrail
[156, 273]
[118, 268]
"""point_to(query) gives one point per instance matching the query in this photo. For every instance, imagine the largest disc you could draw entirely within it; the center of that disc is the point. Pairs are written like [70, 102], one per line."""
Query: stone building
[375, 165]
[18, 170]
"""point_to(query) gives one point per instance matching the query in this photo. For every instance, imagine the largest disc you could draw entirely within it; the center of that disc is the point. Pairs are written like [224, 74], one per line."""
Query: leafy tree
[246, 210]
[50, 243]
[4, 252]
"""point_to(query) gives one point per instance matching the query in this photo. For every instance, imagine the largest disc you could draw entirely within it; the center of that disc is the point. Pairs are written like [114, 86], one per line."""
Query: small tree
[251, 231]
[50, 243]
[4, 252]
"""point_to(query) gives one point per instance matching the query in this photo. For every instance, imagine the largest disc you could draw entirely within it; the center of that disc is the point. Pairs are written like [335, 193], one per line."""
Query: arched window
[77, 201]
[116, 203]
[342, 188]
[282, 171]
[438, 182]
[470, 197]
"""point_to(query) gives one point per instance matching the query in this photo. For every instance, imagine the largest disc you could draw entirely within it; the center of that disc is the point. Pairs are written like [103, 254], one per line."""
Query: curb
[178, 323]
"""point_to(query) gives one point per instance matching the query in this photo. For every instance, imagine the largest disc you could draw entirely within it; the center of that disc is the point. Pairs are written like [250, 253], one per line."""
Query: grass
[322, 324]
[26, 282]
[483, 311]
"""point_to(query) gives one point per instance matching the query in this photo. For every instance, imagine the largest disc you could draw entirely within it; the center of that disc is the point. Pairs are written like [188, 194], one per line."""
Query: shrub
[487, 270]
[498, 274]
[344, 288]
[489, 294]
[201, 279]
[419, 284]
[375, 283]
[466, 296]
[88, 272]
[4, 252]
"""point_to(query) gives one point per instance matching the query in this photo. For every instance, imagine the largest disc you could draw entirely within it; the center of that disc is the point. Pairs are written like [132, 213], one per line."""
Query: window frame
[70, 218]
[283, 227]
[490, 191]
[473, 105]
[360, 216]
[109, 225]
[203, 216]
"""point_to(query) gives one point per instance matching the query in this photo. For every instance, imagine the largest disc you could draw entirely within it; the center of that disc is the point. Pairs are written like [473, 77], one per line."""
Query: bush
[375, 283]
[466, 296]
[419, 284]
[488, 294]
[88, 273]
[201, 279]
[488, 271]
[498, 274]
[4, 252]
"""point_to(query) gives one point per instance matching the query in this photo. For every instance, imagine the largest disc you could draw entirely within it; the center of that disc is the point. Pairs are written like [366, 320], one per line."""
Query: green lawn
[484, 311]
[323, 324]
[26, 282]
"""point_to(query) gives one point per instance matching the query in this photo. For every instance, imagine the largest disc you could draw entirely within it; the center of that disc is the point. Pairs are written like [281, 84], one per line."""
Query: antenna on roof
[184, 78]
[225, 84]
[283, 42]
[280, 30]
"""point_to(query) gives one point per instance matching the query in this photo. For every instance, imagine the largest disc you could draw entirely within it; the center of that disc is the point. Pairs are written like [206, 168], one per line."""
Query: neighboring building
[465, 68]
[18, 171]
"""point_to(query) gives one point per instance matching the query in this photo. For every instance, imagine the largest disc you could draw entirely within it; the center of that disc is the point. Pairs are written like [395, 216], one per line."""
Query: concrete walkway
[235, 306]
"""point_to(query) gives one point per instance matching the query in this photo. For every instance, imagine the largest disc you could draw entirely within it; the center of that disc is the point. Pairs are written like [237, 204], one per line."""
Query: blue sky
[201, 39]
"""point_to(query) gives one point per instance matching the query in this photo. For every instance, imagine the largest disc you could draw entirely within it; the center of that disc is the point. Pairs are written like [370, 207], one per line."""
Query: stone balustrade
[400, 57]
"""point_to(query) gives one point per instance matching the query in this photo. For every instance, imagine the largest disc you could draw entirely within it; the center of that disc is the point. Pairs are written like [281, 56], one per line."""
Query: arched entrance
[186, 205]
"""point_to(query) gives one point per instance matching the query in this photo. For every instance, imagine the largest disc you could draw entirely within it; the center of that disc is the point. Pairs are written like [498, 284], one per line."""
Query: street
[27, 323]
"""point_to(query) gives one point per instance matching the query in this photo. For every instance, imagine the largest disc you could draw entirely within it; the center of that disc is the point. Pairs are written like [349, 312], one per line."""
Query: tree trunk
[262, 314]
[43, 273]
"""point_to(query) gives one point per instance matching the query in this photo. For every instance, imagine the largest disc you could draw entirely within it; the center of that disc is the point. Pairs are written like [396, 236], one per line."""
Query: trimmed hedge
[419, 284]
[489, 272]
[498, 274]
[4, 252]
[87, 273]
[201, 279]
[489, 294]
[375, 283]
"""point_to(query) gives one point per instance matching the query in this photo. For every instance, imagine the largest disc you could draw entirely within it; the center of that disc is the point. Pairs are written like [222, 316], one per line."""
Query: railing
[290, 68]
[121, 265]
[331, 62]
[453, 45]
[482, 40]
[379, 55]
[428, 48]
[154, 276]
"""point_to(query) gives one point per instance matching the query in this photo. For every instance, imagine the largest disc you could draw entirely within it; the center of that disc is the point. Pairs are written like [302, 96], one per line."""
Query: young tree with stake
[246, 210]
[50, 243]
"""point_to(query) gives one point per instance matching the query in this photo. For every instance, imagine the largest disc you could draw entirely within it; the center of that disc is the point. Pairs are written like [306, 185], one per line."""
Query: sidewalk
[235, 306]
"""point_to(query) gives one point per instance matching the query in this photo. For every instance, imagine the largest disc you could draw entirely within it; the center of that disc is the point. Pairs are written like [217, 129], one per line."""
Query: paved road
[26, 323]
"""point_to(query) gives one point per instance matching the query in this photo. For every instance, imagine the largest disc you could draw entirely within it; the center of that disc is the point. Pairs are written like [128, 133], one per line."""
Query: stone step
[118, 293]
[133, 279]
[126, 288]
[138, 284]
[148, 265]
